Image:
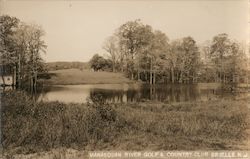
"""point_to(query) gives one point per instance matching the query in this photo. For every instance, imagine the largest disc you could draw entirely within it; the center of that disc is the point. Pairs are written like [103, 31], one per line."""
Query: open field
[76, 76]
[30, 127]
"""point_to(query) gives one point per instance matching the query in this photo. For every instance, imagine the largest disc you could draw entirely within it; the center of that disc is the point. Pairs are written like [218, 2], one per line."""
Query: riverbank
[77, 76]
[30, 127]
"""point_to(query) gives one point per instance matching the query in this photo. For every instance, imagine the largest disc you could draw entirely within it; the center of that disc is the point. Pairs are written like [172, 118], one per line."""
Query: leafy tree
[207, 67]
[190, 60]
[94, 62]
[21, 47]
[99, 63]
[29, 47]
[111, 45]
[235, 63]
[182, 59]
[8, 25]
[173, 59]
[159, 48]
[219, 49]
[134, 39]
[154, 57]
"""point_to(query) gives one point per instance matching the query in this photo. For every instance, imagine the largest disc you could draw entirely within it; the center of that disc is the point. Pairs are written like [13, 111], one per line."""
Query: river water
[120, 93]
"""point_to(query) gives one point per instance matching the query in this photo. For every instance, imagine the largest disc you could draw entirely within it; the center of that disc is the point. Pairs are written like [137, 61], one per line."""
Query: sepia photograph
[121, 79]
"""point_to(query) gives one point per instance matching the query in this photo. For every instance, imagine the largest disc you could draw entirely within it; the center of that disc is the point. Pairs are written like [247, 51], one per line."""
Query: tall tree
[235, 63]
[219, 49]
[174, 59]
[190, 60]
[8, 26]
[134, 37]
[29, 46]
[111, 45]
[159, 48]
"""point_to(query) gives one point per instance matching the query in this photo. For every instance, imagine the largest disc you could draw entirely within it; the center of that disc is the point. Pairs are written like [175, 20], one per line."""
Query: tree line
[52, 66]
[21, 46]
[150, 56]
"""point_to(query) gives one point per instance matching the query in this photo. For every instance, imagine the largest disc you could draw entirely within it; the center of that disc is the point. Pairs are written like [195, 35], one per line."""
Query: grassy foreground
[29, 127]
[76, 76]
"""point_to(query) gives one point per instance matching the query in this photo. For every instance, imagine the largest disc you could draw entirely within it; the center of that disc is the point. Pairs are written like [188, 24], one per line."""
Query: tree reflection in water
[122, 93]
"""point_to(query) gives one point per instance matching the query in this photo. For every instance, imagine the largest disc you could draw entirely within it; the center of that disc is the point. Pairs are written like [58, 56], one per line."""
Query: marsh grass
[29, 126]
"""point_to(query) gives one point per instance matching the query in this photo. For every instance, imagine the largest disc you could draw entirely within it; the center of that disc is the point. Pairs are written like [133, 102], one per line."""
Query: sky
[76, 29]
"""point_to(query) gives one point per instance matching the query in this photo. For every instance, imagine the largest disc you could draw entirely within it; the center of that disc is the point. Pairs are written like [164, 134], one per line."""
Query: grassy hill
[77, 76]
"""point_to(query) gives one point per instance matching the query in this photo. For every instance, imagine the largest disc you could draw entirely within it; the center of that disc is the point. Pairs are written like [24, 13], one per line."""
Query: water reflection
[121, 93]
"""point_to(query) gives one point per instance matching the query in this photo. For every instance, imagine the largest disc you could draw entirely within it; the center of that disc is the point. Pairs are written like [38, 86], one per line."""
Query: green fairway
[76, 76]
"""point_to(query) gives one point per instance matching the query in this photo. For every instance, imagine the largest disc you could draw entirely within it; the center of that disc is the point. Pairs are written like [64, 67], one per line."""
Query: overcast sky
[75, 30]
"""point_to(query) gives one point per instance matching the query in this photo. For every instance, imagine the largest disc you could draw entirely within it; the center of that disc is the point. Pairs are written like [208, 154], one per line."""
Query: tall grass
[42, 126]
[29, 126]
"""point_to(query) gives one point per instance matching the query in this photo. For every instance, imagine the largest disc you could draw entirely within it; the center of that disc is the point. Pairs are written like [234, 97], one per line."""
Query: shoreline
[65, 84]
[85, 77]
